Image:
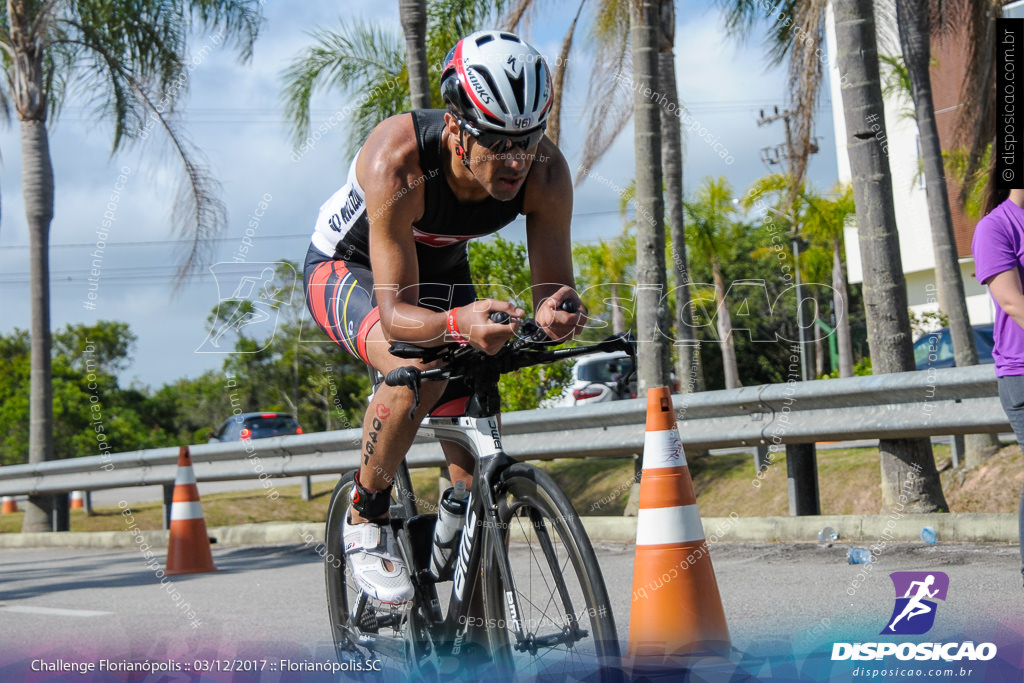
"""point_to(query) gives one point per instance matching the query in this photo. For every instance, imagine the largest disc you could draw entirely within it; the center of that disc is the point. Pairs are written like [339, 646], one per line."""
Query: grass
[848, 483]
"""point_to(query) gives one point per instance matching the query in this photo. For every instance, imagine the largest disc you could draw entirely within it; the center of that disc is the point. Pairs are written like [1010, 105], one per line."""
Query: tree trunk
[724, 322]
[413, 15]
[885, 294]
[650, 241]
[841, 303]
[914, 24]
[688, 370]
[618, 319]
[37, 188]
[28, 91]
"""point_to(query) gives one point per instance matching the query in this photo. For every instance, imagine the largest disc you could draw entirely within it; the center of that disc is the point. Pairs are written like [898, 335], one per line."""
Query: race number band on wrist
[453, 329]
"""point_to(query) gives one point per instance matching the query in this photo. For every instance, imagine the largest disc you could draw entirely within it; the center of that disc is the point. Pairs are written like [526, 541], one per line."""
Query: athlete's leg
[460, 463]
[387, 430]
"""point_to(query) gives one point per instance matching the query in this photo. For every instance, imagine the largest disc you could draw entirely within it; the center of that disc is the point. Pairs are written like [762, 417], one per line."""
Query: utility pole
[777, 155]
[801, 459]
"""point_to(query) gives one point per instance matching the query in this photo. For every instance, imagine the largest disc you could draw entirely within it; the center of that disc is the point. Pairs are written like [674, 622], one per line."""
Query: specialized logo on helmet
[512, 68]
[479, 88]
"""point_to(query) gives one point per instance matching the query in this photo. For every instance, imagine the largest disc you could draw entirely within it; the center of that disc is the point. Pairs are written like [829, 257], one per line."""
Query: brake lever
[407, 376]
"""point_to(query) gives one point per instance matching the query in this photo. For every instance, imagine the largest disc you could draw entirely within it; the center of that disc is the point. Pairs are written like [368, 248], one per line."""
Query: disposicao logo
[914, 614]
[916, 592]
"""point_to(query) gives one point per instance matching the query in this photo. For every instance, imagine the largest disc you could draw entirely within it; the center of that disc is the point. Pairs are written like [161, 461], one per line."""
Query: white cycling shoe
[370, 548]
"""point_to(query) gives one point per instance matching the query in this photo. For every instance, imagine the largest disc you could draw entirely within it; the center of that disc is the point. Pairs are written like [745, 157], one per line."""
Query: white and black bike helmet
[499, 87]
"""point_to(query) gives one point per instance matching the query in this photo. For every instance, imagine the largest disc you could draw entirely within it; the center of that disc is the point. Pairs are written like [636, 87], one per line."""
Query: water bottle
[858, 556]
[450, 515]
[828, 535]
[928, 535]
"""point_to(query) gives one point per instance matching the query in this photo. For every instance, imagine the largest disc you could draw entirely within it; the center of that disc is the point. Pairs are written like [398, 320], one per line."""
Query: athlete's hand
[562, 315]
[475, 324]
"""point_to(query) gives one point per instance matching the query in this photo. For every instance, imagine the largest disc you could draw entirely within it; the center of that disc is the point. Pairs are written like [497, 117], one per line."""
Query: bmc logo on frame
[914, 614]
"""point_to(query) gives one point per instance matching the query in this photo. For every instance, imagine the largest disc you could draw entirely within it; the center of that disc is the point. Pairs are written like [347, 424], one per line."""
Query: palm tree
[368, 63]
[126, 55]
[821, 219]
[413, 14]
[560, 75]
[797, 31]
[914, 22]
[650, 240]
[824, 223]
[908, 466]
[711, 234]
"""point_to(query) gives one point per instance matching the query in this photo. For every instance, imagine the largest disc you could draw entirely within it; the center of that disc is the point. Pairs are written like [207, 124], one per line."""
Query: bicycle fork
[480, 435]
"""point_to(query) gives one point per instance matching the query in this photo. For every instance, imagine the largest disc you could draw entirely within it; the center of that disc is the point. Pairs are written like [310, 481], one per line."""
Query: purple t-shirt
[998, 246]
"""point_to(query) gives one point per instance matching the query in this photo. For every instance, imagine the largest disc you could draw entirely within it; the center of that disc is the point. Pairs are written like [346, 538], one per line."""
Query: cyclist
[388, 259]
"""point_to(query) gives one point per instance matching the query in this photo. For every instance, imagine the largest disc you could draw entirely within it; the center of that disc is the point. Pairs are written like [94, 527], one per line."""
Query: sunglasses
[498, 142]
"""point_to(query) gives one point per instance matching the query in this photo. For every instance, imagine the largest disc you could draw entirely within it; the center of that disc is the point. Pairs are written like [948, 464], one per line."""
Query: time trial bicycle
[526, 596]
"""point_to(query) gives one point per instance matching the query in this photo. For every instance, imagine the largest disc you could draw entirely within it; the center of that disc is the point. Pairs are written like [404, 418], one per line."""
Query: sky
[114, 212]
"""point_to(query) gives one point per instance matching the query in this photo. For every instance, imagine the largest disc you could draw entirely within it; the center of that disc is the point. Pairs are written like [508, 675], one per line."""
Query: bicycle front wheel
[563, 624]
[357, 620]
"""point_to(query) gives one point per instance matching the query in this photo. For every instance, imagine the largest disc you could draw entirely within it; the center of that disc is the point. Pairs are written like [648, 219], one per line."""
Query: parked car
[599, 378]
[935, 349]
[246, 426]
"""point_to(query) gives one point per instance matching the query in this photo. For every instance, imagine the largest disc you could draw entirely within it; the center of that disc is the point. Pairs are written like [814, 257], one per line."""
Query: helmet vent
[509, 36]
[489, 80]
[518, 89]
[539, 82]
[484, 39]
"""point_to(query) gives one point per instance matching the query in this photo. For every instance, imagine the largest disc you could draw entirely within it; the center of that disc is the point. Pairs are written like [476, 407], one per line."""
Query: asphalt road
[61, 603]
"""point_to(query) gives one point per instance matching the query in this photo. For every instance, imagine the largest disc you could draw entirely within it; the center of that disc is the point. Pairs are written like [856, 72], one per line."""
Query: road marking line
[54, 611]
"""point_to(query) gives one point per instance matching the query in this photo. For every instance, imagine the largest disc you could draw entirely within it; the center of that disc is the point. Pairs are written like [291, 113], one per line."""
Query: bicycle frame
[478, 433]
[480, 436]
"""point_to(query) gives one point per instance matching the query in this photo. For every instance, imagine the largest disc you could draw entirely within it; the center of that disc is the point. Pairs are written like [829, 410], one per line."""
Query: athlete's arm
[389, 172]
[1006, 290]
[548, 208]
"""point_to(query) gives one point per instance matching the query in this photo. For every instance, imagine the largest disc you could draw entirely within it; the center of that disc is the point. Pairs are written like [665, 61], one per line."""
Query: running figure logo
[914, 612]
[257, 293]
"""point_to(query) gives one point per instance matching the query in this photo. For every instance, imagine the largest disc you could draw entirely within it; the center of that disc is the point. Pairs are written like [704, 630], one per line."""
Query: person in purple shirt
[998, 247]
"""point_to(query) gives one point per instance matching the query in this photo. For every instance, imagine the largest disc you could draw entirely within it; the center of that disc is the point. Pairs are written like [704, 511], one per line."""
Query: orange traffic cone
[10, 506]
[188, 549]
[676, 608]
[76, 500]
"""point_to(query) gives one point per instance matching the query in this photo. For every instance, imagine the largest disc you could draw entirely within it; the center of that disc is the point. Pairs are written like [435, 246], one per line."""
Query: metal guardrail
[910, 404]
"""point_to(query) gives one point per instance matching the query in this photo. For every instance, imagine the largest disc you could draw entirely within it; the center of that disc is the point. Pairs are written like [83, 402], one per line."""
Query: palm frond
[771, 184]
[611, 83]
[709, 230]
[561, 77]
[95, 42]
[450, 20]
[198, 214]
[239, 20]
[517, 15]
[805, 79]
[742, 16]
[357, 57]
[975, 127]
